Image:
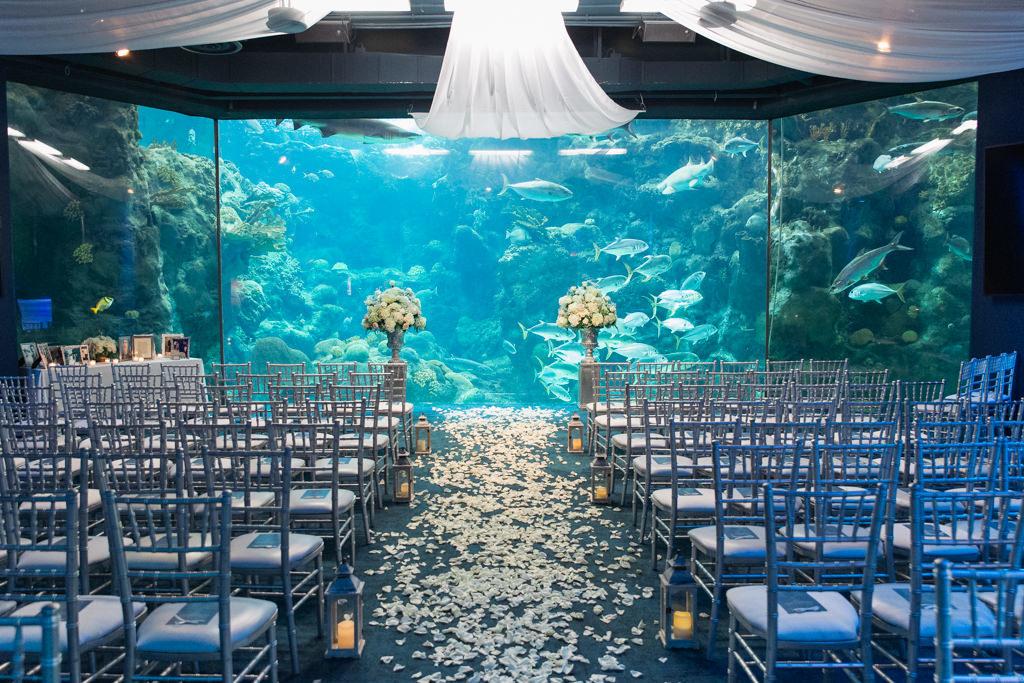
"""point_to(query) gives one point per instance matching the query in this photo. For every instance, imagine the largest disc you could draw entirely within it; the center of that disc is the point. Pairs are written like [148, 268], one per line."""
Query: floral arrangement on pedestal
[394, 311]
[101, 348]
[585, 306]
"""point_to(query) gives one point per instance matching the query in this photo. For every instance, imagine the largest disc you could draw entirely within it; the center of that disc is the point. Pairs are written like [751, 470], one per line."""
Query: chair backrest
[742, 473]
[869, 411]
[193, 437]
[25, 632]
[870, 391]
[956, 465]
[839, 465]
[257, 387]
[227, 373]
[783, 365]
[777, 433]
[286, 370]
[36, 437]
[868, 377]
[804, 410]
[130, 473]
[738, 366]
[837, 365]
[861, 432]
[340, 370]
[947, 431]
[921, 392]
[822, 391]
[395, 380]
[992, 617]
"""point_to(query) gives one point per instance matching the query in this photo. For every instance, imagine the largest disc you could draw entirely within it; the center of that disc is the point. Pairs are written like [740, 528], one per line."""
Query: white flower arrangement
[585, 306]
[393, 309]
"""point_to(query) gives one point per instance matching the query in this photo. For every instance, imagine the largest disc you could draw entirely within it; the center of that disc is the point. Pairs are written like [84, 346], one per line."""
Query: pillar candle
[346, 636]
[421, 445]
[601, 492]
[577, 443]
[403, 489]
[682, 625]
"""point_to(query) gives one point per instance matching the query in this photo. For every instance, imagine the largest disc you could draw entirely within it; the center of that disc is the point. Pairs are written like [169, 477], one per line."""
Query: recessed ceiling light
[372, 6]
[123, 52]
[562, 5]
[593, 151]
[884, 46]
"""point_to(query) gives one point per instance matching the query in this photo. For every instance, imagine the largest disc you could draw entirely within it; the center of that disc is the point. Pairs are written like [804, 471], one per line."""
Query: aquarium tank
[715, 239]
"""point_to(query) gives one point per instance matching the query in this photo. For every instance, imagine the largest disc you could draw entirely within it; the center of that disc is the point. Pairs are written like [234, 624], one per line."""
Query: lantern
[344, 615]
[678, 600]
[421, 435]
[600, 481]
[575, 443]
[403, 477]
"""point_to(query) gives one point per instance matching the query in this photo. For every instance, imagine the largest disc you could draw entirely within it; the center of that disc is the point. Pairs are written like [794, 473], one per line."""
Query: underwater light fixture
[500, 155]
[40, 148]
[14, 133]
[592, 151]
[75, 164]
[416, 151]
[561, 5]
[970, 124]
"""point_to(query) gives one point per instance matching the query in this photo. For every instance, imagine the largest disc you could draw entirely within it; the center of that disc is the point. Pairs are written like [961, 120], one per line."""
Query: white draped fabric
[511, 71]
[33, 27]
[869, 40]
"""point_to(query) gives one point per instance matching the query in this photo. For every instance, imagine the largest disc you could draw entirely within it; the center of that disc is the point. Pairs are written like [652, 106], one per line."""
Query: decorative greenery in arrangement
[585, 306]
[393, 309]
[101, 348]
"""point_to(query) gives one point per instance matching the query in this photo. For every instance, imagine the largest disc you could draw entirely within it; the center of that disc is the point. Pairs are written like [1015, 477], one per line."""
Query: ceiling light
[123, 52]
[416, 151]
[14, 132]
[500, 153]
[39, 147]
[592, 151]
[75, 164]
[562, 5]
[372, 6]
[641, 6]
[884, 46]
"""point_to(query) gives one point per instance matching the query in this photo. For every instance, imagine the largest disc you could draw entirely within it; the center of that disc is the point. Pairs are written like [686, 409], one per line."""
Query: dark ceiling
[388, 64]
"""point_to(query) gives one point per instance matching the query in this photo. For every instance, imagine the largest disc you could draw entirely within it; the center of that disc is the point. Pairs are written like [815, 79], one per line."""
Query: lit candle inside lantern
[137, 359]
[92, 362]
[346, 635]
[577, 443]
[421, 445]
[601, 492]
[113, 360]
[682, 625]
[159, 355]
[403, 489]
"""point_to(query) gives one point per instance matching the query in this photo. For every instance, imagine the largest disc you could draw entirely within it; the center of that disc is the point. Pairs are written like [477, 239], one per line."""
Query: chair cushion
[98, 617]
[741, 542]
[261, 550]
[93, 501]
[637, 443]
[690, 499]
[257, 499]
[7, 606]
[140, 559]
[260, 465]
[614, 421]
[376, 441]
[840, 550]
[805, 616]
[164, 632]
[97, 550]
[661, 466]
[347, 467]
[395, 407]
[961, 553]
[603, 407]
[318, 501]
[890, 603]
[991, 598]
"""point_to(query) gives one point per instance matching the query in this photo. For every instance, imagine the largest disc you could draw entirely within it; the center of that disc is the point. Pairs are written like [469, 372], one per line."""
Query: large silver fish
[360, 130]
[927, 110]
[538, 190]
[653, 266]
[612, 283]
[738, 145]
[862, 266]
[548, 332]
[622, 247]
[686, 177]
[700, 333]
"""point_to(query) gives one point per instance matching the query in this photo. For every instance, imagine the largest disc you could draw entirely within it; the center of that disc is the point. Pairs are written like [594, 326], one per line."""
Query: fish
[738, 145]
[253, 125]
[674, 325]
[367, 131]
[559, 392]
[686, 177]
[517, 235]
[959, 246]
[570, 353]
[622, 247]
[694, 281]
[636, 350]
[875, 291]
[567, 230]
[509, 347]
[102, 305]
[684, 297]
[700, 333]
[548, 332]
[311, 177]
[538, 190]
[652, 266]
[612, 283]
[635, 320]
[927, 110]
[132, 314]
[192, 137]
[600, 175]
[864, 264]
[325, 173]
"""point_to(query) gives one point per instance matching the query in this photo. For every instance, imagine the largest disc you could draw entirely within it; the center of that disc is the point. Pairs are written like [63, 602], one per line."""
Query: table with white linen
[106, 374]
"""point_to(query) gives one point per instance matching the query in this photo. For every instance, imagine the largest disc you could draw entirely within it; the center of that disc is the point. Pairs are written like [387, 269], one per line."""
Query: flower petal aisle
[505, 572]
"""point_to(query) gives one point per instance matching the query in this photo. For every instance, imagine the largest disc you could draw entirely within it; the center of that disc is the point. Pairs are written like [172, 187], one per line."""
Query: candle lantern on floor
[678, 599]
[600, 480]
[421, 435]
[575, 443]
[403, 477]
[344, 614]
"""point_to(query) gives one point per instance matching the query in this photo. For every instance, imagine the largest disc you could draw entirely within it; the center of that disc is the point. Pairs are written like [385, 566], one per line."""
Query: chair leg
[716, 602]
[272, 636]
[733, 650]
[289, 610]
[352, 544]
[320, 595]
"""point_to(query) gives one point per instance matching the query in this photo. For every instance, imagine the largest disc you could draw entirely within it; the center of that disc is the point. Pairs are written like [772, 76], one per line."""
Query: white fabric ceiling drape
[511, 71]
[33, 27]
[870, 40]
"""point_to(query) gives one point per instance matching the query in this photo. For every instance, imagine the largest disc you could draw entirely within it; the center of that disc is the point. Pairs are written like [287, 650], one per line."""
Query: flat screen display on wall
[1004, 219]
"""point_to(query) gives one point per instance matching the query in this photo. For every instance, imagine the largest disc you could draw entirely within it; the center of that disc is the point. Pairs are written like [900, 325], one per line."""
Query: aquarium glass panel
[872, 227]
[668, 217]
[113, 214]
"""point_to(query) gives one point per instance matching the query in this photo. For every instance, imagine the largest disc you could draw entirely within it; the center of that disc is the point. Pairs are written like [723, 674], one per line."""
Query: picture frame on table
[72, 354]
[124, 348]
[180, 347]
[83, 352]
[56, 355]
[142, 346]
[30, 352]
[167, 344]
[45, 357]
